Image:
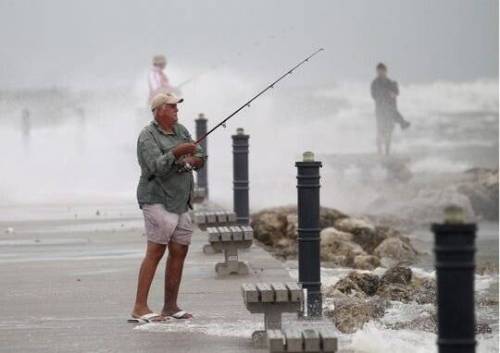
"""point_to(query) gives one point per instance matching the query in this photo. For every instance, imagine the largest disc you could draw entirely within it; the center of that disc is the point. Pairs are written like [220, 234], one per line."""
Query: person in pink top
[158, 81]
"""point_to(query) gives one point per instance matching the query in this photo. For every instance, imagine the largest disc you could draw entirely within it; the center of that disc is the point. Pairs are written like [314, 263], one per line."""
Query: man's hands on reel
[185, 159]
[195, 162]
[184, 149]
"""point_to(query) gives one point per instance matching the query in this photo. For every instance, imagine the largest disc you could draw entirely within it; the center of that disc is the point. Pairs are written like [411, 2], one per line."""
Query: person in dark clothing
[385, 91]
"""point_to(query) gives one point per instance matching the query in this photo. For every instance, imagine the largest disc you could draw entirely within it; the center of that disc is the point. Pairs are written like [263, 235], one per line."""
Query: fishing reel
[186, 168]
[183, 166]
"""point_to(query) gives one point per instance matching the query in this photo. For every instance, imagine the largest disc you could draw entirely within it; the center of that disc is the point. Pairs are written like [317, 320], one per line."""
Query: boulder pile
[345, 241]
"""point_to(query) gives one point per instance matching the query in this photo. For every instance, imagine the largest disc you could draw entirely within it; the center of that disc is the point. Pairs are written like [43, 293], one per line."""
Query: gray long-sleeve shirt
[160, 182]
[381, 90]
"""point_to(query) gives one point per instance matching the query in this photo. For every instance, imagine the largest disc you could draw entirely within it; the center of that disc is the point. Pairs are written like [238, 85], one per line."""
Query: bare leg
[154, 253]
[388, 139]
[379, 128]
[379, 143]
[173, 275]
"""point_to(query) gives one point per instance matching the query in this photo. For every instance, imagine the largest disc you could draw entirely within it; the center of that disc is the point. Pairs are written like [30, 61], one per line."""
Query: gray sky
[62, 42]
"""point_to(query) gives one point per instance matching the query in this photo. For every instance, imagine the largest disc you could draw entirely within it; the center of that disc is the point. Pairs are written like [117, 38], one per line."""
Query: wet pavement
[69, 285]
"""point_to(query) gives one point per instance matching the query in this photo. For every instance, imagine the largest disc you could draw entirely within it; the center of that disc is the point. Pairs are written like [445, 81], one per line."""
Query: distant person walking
[158, 81]
[385, 91]
[166, 154]
[26, 125]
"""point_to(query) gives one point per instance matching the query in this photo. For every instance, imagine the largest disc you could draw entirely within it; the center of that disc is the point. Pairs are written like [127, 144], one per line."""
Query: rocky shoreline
[345, 241]
[380, 259]
[361, 296]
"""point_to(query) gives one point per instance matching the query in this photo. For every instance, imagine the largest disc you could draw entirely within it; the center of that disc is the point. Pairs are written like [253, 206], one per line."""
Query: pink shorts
[163, 226]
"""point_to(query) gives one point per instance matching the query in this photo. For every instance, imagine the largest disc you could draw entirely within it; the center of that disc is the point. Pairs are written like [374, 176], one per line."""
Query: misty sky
[62, 42]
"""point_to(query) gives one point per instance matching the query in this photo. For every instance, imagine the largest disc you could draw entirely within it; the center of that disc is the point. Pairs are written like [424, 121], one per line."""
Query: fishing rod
[197, 76]
[247, 104]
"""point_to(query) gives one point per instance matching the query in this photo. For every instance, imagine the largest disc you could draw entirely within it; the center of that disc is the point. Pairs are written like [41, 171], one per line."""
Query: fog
[91, 43]
[73, 99]
[80, 69]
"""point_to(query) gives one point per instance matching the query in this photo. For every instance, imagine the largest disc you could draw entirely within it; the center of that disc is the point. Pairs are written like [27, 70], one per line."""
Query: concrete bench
[214, 218]
[229, 240]
[321, 340]
[198, 195]
[271, 299]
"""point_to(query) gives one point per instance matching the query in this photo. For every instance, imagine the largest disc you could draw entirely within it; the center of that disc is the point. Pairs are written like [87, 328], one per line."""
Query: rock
[331, 234]
[397, 275]
[335, 243]
[364, 233]
[348, 286]
[395, 284]
[353, 225]
[396, 292]
[481, 328]
[426, 323]
[269, 226]
[424, 291]
[291, 226]
[355, 283]
[395, 248]
[350, 243]
[328, 217]
[284, 243]
[484, 200]
[338, 260]
[369, 239]
[367, 282]
[272, 224]
[285, 248]
[350, 316]
[487, 267]
[366, 262]
[331, 292]
[485, 299]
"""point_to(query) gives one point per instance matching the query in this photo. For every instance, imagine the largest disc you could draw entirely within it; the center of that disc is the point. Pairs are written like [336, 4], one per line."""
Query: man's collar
[157, 125]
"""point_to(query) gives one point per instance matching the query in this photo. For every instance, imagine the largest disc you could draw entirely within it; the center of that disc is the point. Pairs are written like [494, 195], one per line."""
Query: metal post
[308, 228]
[201, 129]
[454, 253]
[240, 176]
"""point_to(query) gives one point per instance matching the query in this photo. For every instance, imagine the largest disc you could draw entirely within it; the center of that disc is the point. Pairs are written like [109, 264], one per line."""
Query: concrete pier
[68, 285]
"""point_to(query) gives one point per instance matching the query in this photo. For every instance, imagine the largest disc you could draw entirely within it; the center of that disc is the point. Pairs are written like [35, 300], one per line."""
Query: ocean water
[380, 336]
[81, 152]
[81, 147]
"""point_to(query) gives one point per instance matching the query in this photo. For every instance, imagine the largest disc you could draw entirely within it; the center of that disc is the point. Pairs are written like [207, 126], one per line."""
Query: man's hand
[184, 149]
[195, 162]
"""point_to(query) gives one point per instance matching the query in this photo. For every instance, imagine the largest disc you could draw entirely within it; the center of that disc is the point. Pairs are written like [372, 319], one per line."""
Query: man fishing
[385, 91]
[167, 155]
[158, 81]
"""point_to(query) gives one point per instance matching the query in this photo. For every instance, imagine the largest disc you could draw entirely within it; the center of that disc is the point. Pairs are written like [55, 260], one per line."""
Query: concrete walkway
[68, 286]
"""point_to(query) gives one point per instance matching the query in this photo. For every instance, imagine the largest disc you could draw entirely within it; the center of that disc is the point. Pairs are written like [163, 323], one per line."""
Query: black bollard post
[454, 253]
[240, 176]
[309, 232]
[201, 129]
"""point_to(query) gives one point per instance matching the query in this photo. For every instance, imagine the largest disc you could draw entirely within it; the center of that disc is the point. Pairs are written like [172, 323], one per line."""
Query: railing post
[454, 260]
[201, 129]
[240, 176]
[309, 231]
